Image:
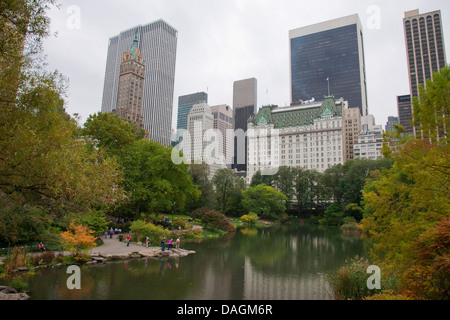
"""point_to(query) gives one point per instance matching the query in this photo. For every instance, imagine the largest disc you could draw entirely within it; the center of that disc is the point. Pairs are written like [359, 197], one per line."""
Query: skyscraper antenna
[328, 80]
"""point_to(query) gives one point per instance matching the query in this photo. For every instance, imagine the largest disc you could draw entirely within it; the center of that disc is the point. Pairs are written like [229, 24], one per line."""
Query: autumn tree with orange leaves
[78, 239]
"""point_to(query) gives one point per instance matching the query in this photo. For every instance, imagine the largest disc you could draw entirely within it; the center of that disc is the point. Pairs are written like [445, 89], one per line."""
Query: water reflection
[265, 264]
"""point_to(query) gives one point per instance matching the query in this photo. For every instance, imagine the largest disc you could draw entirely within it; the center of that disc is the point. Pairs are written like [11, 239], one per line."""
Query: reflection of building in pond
[264, 286]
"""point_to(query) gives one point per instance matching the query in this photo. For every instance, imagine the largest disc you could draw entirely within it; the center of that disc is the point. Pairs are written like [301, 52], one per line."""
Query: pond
[274, 263]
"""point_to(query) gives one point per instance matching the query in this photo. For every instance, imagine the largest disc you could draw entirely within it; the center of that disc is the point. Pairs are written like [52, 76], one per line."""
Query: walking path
[115, 249]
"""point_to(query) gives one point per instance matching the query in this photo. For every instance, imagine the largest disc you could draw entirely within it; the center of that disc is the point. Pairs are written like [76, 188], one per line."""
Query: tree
[199, 174]
[265, 201]
[403, 203]
[284, 182]
[78, 239]
[307, 189]
[225, 183]
[154, 183]
[110, 132]
[431, 115]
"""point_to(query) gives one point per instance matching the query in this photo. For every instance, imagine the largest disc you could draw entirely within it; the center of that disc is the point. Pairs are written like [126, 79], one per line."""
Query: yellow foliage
[78, 238]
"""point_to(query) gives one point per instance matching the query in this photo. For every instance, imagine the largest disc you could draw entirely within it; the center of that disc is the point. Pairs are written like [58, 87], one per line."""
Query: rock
[157, 253]
[7, 293]
[14, 296]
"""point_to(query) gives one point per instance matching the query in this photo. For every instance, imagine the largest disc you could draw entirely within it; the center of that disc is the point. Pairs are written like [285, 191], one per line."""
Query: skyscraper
[244, 107]
[404, 106]
[223, 122]
[425, 53]
[185, 104]
[425, 48]
[157, 42]
[328, 59]
[131, 84]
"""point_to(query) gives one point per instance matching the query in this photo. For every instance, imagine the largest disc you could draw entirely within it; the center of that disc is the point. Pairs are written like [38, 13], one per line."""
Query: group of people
[170, 244]
[111, 232]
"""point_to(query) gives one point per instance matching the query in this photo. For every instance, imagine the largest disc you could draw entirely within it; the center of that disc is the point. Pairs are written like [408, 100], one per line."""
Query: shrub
[216, 220]
[199, 213]
[250, 218]
[349, 282]
[78, 239]
[429, 277]
[333, 215]
[180, 222]
[141, 229]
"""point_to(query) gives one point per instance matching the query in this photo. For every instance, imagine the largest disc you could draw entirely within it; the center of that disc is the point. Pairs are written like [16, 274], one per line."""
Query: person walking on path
[163, 244]
[178, 243]
[128, 240]
[106, 234]
[170, 244]
[111, 232]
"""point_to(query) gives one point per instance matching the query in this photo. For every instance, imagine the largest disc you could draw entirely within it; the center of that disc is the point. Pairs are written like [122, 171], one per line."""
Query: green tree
[225, 184]
[307, 189]
[111, 132]
[284, 181]
[265, 201]
[403, 203]
[199, 174]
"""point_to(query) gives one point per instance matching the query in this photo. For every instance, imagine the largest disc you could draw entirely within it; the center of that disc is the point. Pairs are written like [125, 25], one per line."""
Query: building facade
[370, 140]
[425, 49]
[131, 84]
[390, 123]
[404, 107]
[203, 142]
[223, 122]
[351, 127]
[244, 106]
[328, 59]
[185, 104]
[307, 135]
[157, 42]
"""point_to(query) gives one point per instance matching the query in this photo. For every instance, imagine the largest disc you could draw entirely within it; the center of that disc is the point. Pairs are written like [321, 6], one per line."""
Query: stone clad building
[308, 135]
[131, 84]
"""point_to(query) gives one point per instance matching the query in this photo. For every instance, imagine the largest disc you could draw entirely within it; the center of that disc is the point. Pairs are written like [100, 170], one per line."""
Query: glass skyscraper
[158, 45]
[328, 59]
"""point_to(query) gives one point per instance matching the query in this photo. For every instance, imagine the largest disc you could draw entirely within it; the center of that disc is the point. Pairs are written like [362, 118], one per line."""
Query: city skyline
[228, 45]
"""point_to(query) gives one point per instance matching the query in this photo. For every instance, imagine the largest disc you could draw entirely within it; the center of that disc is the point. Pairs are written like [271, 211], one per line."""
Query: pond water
[276, 263]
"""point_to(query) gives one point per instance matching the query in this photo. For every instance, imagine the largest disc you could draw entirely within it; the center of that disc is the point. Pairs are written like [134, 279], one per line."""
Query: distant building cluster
[327, 122]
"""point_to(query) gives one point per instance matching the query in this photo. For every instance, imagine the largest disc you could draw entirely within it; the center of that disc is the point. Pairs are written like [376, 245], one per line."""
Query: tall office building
[244, 107]
[185, 104]
[328, 59]
[157, 41]
[223, 122]
[200, 123]
[424, 47]
[425, 51]
[404, 107]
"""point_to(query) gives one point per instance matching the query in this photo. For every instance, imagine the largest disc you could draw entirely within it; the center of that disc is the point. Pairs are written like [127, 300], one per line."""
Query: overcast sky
[221, 41]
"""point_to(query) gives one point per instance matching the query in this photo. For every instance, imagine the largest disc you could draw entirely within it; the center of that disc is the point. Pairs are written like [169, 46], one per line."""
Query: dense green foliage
[407, 207]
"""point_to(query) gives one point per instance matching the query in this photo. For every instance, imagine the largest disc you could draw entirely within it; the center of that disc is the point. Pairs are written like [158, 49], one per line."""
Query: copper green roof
[297, 116]
[134, 46]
